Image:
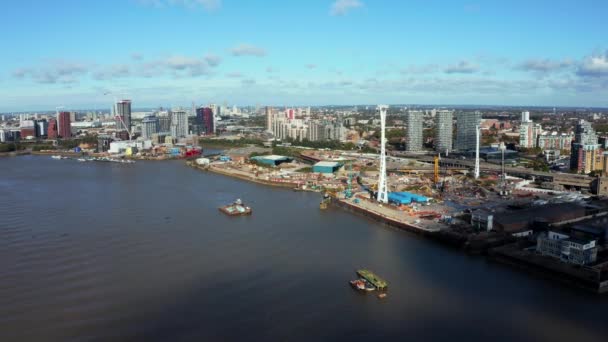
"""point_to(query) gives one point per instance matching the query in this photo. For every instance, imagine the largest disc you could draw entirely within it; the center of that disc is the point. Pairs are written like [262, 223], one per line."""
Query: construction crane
[348, 193]
[436, 169]
[116, 115]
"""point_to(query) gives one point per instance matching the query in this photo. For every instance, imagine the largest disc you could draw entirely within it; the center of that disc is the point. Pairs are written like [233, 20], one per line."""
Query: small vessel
[81, 160]
[362, 285]
[358, 284]
[236, 209]
[373, 279]
[325, 201]
[382, 295]
[56, 157]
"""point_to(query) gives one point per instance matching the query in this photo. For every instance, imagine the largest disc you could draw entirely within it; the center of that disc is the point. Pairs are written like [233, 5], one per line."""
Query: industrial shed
[272, 160]
[326, 167]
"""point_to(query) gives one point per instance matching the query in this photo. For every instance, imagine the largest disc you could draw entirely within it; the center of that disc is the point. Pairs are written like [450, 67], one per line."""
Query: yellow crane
[436, 170]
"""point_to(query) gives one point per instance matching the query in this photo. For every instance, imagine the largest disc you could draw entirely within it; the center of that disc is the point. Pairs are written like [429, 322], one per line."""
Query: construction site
[490, 212]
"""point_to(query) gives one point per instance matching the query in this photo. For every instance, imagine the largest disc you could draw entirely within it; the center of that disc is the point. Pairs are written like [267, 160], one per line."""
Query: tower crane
[436, 169]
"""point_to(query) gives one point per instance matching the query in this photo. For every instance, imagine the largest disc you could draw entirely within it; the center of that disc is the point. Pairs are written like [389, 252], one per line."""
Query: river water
[96, 251]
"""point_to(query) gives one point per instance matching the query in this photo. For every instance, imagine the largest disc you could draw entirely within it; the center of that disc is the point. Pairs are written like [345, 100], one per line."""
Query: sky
[83, 54]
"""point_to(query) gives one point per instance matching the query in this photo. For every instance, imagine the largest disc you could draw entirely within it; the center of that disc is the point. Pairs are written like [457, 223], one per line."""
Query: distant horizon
[429, 106]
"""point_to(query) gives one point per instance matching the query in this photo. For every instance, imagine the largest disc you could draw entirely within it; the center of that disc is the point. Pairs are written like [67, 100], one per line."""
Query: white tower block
[382, 187]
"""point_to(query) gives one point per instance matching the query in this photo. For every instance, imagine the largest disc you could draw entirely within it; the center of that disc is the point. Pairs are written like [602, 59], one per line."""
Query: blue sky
[302, 52]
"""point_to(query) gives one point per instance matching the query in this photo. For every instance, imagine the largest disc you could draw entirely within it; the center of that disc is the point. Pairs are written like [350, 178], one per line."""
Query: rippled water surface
[95, 251]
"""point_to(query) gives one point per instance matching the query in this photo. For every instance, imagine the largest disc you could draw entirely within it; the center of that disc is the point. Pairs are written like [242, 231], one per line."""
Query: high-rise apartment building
[268, 112]
[149, 126]
[443, 131]
[586, 154]
[51, 132]
[64, 125]
[466, 124]
[555, 141]
[528, 131]
[205, 120]
[42, 127]
[413, 130]
[123, 111]
[164, 123]
[179, 123]
[585, 134]
[528, 134]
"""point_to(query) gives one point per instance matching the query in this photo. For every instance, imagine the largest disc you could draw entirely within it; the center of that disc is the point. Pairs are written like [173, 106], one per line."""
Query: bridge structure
[566, 179]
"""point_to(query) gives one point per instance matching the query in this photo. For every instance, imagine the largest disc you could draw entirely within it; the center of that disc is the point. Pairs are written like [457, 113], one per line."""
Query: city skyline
[168, 52]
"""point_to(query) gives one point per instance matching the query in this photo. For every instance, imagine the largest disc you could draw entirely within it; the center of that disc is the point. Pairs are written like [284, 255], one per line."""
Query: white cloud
[544, 65]
[594, 66]
[56, 72]
[112, 72]
[463, 67]
[310, 66]
[213, 60]
[341, 7]
[247, 50]
[180, 66]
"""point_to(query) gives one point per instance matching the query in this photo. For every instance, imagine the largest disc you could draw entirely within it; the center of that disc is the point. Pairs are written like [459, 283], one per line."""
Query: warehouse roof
[275, 157]
[327, 164]
[272, 157]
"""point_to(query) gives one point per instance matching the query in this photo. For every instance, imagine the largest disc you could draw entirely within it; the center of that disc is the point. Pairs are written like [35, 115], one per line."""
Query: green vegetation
[256, 154]
[367, 149]
[42, 147]
[538, 164]
[531, 151]
[330, 144]
[286, 151]
[391, 134]
[488, 139]
[7, 147]
[88, 139]
[509, 139]
[68, 144]
[600, 127]
[11, 147]
[230, 143]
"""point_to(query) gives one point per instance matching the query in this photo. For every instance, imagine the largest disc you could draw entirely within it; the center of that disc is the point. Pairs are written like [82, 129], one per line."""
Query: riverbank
[14, 153]
[583, 277]
[241, 175]
[496, 249]
[58, 153]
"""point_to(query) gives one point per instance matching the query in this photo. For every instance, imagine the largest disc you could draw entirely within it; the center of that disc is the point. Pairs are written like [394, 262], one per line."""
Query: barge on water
[373, 279]
[236, 209]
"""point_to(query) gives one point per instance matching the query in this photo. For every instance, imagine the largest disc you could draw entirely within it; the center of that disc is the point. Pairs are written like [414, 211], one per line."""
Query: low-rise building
[326, 167]
[568, 249]
[482, 220]
[123, 146]
[272, 160]
[555, 141]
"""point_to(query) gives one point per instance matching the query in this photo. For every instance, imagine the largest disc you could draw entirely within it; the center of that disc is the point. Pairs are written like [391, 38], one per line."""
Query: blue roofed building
[326, 167]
